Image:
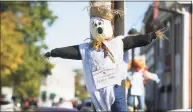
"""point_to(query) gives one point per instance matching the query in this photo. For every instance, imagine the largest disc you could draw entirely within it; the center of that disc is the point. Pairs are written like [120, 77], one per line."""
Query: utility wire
[137, 20]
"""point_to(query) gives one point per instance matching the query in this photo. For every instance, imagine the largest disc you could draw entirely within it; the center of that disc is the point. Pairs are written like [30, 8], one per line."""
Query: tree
[80, 89]
[30, 18]
[11, 44]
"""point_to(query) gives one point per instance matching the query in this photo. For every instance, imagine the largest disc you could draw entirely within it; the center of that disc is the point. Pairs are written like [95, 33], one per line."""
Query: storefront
[171, 57]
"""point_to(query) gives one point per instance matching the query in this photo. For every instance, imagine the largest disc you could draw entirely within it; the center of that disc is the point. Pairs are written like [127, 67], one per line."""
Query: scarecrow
[102, 58]
[138, 75]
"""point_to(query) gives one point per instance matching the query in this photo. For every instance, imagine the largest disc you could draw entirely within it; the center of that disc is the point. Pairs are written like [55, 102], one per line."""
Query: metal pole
[133, 55]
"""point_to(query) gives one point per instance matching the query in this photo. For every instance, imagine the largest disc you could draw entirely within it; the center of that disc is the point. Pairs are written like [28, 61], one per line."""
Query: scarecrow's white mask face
[101, 28]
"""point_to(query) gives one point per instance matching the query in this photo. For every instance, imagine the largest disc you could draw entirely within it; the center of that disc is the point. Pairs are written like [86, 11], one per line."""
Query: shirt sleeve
[70, 52]
[152, 76]
[136, 41]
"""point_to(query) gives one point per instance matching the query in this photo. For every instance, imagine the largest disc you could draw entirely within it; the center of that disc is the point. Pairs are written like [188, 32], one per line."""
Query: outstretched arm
[70, 52]
[137, 41]
[151, 76]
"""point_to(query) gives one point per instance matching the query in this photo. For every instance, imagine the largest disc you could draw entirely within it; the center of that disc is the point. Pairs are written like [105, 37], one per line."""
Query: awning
[52, 95]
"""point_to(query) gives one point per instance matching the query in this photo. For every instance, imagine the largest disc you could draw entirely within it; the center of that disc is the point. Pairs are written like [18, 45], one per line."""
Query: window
[177, 35]
[167, 34]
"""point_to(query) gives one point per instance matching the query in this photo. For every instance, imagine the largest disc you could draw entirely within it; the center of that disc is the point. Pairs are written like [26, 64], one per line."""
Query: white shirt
[137, 78]
[137, 86]
[103, 98]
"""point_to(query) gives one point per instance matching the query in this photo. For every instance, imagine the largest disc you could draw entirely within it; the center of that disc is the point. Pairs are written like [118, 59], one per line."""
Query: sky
[72, 27]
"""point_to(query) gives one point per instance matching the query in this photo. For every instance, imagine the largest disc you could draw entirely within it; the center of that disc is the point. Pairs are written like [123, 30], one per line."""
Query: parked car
[55, 109]
[6, 103]
[66, 104]
[87, 105]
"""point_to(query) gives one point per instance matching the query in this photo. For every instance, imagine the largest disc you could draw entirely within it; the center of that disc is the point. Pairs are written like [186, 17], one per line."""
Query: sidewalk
[180, 110]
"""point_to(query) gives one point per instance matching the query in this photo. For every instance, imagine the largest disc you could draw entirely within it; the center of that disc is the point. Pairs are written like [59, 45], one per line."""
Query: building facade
[171, 59]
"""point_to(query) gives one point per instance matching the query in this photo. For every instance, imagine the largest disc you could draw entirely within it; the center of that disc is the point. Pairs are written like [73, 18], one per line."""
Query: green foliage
[11, 50]
[30, 18]
[5, 80]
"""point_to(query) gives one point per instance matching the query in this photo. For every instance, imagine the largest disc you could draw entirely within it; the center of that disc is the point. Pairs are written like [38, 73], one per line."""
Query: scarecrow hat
[103, 10]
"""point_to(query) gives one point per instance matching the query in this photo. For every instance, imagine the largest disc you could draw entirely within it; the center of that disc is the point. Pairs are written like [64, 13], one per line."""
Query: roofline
[150, 11]
[148, 14]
